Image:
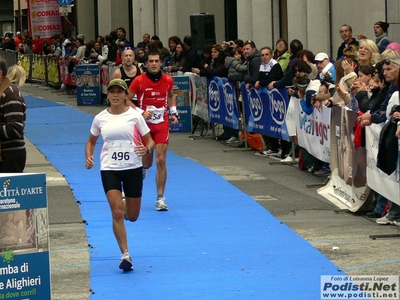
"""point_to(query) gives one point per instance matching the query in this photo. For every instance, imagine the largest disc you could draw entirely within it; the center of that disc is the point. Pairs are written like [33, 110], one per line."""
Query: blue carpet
[214, 243]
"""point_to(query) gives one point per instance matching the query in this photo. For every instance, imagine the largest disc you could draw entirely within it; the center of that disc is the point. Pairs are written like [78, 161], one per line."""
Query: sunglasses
[301, 85]
[128, 48]
[387, 61]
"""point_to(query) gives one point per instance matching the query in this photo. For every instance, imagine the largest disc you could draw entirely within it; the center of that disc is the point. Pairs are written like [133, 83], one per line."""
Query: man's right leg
[161, 175]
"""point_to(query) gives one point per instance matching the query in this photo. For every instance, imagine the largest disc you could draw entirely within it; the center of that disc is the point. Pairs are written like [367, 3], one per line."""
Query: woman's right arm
[89, 149]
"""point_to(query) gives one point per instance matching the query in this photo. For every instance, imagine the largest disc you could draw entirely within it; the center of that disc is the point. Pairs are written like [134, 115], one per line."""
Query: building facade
[314, 22]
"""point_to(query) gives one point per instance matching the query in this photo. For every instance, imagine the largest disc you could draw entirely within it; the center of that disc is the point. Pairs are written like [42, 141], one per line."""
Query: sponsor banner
[52, 71]
[222, 102]
[387, 186]
[24, 239]
[347, 187]
[313, 129]
[200, 103]
[266, 111]
[182, 90]
[185, 120]
[68, 70]
[106, 75]
[26, 62]
[182, 95]
[88, 84]
[44, 18]
[38, 68]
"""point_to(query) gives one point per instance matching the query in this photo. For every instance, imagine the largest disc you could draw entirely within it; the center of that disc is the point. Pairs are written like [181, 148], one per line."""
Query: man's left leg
[161, 175]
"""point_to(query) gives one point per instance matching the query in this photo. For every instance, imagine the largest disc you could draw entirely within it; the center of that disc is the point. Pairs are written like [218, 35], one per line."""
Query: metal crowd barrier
[10, 56]
[43, 69]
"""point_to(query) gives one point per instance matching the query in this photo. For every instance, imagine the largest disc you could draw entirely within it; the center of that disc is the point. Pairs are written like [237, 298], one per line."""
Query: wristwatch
[149, 150]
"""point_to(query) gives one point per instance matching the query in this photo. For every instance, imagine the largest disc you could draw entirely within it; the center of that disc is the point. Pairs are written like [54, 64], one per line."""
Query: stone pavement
[287, 192]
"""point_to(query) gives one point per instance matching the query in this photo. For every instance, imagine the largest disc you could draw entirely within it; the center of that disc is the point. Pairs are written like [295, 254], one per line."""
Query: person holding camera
[325, 67]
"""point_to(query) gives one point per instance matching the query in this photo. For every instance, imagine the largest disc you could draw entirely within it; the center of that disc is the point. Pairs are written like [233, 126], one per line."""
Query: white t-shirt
[121, 133]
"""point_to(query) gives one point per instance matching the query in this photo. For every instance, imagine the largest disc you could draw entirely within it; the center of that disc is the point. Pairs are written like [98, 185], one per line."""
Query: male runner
[129, 70]
[154, 91]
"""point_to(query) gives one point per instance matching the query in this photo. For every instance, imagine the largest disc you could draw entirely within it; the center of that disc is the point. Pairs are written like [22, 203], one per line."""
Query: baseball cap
[117, 82]
[321, 56]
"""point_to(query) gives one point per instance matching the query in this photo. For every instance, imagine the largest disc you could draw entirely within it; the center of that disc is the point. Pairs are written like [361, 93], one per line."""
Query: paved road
[287, 192]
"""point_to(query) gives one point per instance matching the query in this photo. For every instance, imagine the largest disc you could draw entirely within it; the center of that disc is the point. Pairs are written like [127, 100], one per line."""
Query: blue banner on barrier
[24, 243]
[266, 111]
[88, 84]
[182, 95]
[222, 101]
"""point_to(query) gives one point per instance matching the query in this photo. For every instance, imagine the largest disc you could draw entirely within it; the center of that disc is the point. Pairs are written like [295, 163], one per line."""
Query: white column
[173, 17]
[262, 26]
[297, 20]
[245, 19]
[318, 27]
[143, 21]
[167, 20]
[104, 17]
[86, 21]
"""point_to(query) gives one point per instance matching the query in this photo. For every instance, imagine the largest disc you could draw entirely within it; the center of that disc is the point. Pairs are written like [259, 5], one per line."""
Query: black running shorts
[130, 181]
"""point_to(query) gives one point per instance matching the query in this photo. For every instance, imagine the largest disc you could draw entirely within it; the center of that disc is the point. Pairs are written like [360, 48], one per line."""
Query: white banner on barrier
[347, 187]
[387, 186]
[200, 101]
[313, 130]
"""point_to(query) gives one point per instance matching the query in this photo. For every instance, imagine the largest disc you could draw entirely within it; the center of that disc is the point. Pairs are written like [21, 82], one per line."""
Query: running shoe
[289, 159]
[384, 221]
[126, 262]
[160, 204]
[272, 152]
[323, 171]
[232, 140]
[261, 153]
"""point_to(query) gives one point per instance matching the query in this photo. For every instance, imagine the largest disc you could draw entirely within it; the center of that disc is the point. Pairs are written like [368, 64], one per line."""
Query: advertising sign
[44, 18]
[88, 84]
[183, 105]
[24, 237]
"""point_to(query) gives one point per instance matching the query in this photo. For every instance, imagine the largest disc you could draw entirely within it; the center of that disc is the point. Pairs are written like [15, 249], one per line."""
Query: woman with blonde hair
[389, 53]
[368, 52]
[16, 75]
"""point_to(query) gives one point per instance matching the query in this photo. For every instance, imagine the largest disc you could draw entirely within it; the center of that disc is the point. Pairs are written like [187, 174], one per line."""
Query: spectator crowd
[364, 77]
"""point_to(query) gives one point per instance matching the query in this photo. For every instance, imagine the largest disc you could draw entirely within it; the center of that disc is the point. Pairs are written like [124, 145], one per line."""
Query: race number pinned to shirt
[121, 153]
[157, 114]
